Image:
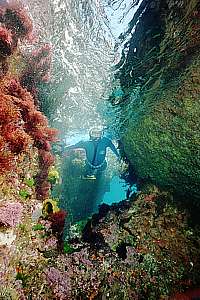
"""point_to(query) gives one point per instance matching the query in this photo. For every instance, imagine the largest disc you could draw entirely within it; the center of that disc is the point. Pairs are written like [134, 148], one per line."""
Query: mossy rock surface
[160, 108]
[163, 142]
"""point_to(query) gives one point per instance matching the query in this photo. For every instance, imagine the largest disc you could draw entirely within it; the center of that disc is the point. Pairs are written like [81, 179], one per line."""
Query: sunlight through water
[84, 35]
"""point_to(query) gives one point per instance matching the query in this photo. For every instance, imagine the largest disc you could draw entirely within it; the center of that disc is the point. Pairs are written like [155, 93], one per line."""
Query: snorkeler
[95, 150]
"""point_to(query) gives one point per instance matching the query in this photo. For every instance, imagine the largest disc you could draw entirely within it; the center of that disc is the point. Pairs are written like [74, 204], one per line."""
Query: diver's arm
[75, 146]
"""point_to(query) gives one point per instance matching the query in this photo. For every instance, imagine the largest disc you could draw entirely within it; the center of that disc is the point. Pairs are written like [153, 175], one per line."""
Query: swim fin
[89, 177]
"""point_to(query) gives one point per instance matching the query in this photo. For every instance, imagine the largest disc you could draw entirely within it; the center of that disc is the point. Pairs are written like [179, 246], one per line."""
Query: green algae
[38, 227]
[30, 182]
[24, 194]
[68, 249]
[162, 145]
[159, 125]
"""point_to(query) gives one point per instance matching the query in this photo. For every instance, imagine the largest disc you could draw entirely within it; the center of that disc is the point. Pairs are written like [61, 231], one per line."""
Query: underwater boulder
[163, 143]
[160, 110]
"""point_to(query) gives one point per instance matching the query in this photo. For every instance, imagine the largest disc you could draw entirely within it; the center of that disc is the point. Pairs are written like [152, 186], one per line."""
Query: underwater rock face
[161, 138]
[163, 144]
[138, 249]
[25, 158]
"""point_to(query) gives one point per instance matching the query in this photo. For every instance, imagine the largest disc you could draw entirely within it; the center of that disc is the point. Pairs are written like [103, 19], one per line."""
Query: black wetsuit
[96, 151]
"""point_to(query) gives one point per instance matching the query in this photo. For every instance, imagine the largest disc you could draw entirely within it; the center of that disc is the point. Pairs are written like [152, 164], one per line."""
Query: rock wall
[137, 249]
[25, 158]
[161, 132]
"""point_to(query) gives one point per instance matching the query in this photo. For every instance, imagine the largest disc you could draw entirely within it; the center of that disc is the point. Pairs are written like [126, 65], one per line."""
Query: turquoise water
[111, 189]
[85, 40]
[118, 191]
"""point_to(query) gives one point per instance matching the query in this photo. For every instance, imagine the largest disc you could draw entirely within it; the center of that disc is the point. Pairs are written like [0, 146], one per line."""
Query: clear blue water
[118, 190]
[85, 42]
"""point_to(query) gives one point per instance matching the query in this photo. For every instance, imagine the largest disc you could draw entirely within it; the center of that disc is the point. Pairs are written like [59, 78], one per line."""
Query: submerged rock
[160, 109]
[143, 249]
[163, 144]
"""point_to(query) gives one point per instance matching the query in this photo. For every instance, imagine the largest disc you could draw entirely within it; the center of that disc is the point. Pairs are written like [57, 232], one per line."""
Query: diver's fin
[89, 177]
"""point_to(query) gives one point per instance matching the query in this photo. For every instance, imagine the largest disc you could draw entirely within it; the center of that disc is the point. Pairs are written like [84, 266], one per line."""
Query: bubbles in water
[83, 54]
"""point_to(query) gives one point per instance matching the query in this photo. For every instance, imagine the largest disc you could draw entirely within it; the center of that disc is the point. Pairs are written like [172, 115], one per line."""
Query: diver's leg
[89, 172]
[101, 170]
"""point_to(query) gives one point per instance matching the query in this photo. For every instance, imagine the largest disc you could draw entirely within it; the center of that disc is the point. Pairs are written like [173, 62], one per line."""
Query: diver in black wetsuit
[95, 150]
